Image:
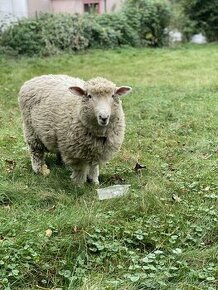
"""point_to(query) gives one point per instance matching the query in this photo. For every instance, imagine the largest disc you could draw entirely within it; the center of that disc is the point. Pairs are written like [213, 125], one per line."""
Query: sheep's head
[100, 100]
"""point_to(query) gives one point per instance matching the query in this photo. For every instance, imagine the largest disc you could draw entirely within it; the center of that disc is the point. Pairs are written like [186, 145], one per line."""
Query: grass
[164, 234]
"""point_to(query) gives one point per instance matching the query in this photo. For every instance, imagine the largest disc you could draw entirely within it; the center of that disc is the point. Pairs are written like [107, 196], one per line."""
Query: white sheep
[82, 121]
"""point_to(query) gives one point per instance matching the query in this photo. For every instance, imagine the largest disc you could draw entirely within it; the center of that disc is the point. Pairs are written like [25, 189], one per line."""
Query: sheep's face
[100, 101]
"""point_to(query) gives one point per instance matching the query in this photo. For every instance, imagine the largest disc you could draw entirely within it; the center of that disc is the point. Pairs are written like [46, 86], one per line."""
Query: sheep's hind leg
[93, 174]
[37, 153]
[59, 159]
[79, 175]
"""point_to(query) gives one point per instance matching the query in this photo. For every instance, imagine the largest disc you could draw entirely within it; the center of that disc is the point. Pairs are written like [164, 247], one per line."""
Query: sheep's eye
[113, 96]
[89, 96]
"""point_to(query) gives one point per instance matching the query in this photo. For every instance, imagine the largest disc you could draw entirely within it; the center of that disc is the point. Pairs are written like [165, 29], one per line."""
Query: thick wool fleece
[57, 121]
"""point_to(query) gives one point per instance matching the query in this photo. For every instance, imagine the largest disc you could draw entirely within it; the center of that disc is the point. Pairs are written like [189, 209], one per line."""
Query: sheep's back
[43, 87]
[44, 102]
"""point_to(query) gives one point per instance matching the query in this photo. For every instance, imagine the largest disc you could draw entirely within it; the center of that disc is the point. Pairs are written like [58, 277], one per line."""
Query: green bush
[99, 36]
[125, 33]
[24, 37]
[140, 23]
[46, 34]
[149, 18]
[201, 16]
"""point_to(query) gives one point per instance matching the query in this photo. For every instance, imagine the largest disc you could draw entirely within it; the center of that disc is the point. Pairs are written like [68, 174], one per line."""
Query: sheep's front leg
[79, 175]
[37, 161]
[93, 174]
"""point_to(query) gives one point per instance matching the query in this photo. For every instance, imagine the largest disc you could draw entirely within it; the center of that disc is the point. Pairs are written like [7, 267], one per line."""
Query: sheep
[81, 121]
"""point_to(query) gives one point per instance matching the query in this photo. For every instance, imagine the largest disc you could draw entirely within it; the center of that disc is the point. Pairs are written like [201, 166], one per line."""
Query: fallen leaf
[116, 178]
[7, 207]
[52, 208]
[76, 229]
[208, 242]
[44, 170]
[13, 137]
[207, 188]
[139, 167]
[206, 155]
[176, 198]
[48, 233]
[10, 165]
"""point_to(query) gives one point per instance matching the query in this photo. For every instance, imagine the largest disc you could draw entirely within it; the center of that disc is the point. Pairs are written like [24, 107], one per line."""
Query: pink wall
[113, 5]
[74, 6]
[37, 6]
[70, 6]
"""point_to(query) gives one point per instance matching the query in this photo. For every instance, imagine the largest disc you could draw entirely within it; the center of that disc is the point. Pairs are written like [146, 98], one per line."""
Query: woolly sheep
[81, 121]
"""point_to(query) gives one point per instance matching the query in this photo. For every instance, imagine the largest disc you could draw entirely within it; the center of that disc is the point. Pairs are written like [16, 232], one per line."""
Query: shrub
[24, 37]
[202, 16]
[126, 34]
[46, 34]
[63, 32]
[99, 36]
[140, 23]
[149, 18]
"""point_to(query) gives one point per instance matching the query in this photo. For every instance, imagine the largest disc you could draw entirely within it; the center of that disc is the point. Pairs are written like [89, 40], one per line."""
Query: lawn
[164, 233]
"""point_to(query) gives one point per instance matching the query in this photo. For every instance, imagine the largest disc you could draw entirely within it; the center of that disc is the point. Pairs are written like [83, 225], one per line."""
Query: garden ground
[164, 233]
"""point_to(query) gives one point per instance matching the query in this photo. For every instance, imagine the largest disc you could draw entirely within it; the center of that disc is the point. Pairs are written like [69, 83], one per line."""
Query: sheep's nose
[103, 118]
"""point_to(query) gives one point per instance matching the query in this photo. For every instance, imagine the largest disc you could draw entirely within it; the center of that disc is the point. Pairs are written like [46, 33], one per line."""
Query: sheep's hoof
[93, 181]
[44, 170]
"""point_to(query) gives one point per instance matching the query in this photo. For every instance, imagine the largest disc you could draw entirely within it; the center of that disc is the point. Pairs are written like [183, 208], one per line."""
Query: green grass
[145, 240]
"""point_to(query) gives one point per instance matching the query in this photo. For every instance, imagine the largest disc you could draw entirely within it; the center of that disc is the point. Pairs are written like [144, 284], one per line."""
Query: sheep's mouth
[103, 123]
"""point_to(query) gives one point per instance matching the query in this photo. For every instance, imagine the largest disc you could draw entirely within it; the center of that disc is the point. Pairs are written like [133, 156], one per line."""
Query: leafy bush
[202, 16]
[63, 32]
[126, 34]
[97, 35]
[149, 18]
[46, 34]
[24, 37]
[140, 23]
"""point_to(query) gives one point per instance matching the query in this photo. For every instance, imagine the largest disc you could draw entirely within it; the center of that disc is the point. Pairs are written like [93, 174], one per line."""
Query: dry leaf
[10, 165]
[139, 167]
[176, 198]
[52, 208]
[206, 155]
[48, 233]
[13, 137]
[207, 188]
[7, 207]
[116, 178]
[44, 170]
[76, 229]
[208, 242]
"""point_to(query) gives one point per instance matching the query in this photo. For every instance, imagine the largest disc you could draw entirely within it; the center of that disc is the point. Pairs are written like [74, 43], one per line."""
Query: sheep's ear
[77, 91]
[122, 91]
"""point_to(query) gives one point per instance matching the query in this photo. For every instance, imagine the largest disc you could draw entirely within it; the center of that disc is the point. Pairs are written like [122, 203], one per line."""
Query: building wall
[36, 6]
[70, 6]
[113, 5]
[77, 6]
[13, 9]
